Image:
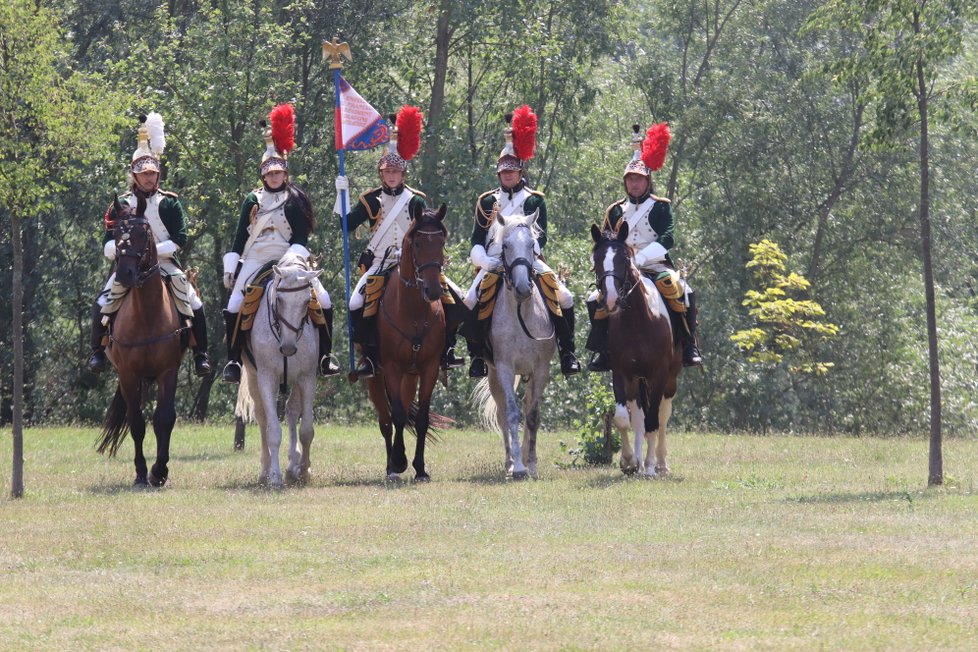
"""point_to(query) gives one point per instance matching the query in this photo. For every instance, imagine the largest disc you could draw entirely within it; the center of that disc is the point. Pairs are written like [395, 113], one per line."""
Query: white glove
[109, 250]
[653, 253]
[480, 258]
[230, 266]
[298, 249]
[342, 184]
[166, 249]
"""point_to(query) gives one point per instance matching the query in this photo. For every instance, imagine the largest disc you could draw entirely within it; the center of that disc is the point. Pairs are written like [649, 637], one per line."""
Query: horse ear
[116, 204]
[441, 212]
[276, 271]
[417, 209]
[501, 219]
[140, 205]
[531, 219]
[623, 231]
[595, 233]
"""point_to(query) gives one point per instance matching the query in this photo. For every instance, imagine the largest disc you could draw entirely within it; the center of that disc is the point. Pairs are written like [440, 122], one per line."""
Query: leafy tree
[785, 326]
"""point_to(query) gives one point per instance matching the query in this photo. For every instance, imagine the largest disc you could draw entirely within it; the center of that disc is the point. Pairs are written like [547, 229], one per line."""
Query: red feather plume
[282, 118]
[655, 146]
[524, 132]
[408, 124]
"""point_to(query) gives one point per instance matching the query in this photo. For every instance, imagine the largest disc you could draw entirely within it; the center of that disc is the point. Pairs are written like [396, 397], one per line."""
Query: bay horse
[523, 344]
[411, 330]
[645, 356]
[282, 351]
[146, 345]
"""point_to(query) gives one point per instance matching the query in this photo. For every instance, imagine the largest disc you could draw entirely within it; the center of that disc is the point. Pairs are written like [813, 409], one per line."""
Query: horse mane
[429, 217]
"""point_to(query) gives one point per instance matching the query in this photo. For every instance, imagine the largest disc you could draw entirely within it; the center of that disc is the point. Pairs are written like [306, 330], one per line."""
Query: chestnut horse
[411, 330]
[146, 345]
[645, 356]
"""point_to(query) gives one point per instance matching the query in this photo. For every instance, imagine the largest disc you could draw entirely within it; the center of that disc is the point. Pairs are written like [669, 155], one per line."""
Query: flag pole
[333, 52]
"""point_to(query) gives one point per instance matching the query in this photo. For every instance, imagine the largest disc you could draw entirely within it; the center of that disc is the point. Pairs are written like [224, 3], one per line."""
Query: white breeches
[168, 267]
[564, 296]
[251, 267]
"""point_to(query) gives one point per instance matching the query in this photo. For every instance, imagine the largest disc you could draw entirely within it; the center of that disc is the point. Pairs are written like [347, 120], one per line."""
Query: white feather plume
[157, 137]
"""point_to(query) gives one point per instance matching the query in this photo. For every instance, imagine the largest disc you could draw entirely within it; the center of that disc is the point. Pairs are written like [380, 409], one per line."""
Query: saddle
[489, 290]
[668, 284]
[374, 290]
[254, 292]
[177, 284]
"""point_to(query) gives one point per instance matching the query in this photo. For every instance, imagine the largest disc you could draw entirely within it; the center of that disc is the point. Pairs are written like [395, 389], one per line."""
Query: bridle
[417, 281]
[626, 282]
[275, 319]
[125, 249]
[508, 268]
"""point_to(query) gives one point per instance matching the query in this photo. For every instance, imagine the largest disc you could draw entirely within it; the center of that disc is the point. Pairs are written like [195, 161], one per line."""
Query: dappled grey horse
[523, 344]
[283, 351]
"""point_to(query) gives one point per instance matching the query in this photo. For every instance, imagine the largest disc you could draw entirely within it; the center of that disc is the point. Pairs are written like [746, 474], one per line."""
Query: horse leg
[625, 409]
[650, 427]
[261, 417]
[531, 419]
[507, 379]
[271, 434]
[378, 396]
[132, 394]
[665, 411]
[292, 408]
[421, 421]
[307, 429]
[396, 459]
[164, 416]
[499, 398]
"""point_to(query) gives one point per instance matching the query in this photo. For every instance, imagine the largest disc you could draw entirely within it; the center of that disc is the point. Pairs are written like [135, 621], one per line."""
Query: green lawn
[753, 543]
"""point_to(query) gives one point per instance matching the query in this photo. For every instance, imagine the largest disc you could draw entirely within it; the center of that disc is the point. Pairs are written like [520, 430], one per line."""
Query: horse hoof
[156, 482]
[392, 478]
[521, 475]
[629, 469]
[662, 470]
[422, 477]
[140, 481]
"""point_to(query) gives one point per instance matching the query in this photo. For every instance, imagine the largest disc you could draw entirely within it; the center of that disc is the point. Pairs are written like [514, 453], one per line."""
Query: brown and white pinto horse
[146, 344]
[645, 356]
[411, 330]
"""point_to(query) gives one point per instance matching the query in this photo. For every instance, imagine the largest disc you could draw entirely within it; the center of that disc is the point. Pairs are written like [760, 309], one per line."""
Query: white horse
[523, 343]
[282, 339]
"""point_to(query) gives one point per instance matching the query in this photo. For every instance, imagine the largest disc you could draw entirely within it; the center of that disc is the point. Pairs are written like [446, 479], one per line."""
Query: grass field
[753, 543]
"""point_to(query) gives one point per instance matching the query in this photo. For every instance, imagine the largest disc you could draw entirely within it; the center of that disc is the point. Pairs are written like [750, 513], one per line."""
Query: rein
[622, 284]
[153, 340]
[275, 323]
[508, 268]
[417, 281]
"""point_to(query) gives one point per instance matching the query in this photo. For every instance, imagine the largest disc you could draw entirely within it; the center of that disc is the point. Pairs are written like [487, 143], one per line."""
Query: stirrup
[451, 361]
[232, 372]
[329, 365]
[202, 365]
[599, 362]
[367, 368]
[569, 364]
[98, 362]
[691, 356]
[478, 368]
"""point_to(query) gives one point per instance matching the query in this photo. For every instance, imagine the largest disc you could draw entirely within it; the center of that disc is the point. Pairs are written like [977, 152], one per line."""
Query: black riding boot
[597, 340]
[202, 365]
[454, 314]
[98, 362]
[365, 334]
[475, 332]
[232, 370]
[564, 327]
[327, 365]
[691, 353]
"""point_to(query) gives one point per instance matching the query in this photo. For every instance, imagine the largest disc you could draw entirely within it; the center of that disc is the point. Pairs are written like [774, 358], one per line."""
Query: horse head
[135, 246]
[288, 298]
[612, 258]
[518, 236]
[425, 241]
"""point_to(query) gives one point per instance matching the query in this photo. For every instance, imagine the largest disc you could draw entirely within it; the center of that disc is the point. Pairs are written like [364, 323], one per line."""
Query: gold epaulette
[363, 200]
[533, 192]
[416, 191]
[167, 193]
[664, 200]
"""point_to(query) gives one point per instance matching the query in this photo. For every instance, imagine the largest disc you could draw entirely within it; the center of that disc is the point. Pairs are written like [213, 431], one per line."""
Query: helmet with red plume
[279, 139]
[650, 151]
[520, 137]
[405, 139]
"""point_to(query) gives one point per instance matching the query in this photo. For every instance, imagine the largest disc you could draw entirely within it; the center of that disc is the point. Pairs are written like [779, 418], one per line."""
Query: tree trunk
[429, 159]
[17, 472]
[935, 473]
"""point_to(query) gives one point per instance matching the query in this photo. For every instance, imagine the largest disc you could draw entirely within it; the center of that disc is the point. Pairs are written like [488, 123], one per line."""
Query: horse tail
[485, 404]
[436, 423]
[244, 407]
[645, 395]
[115, 426]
